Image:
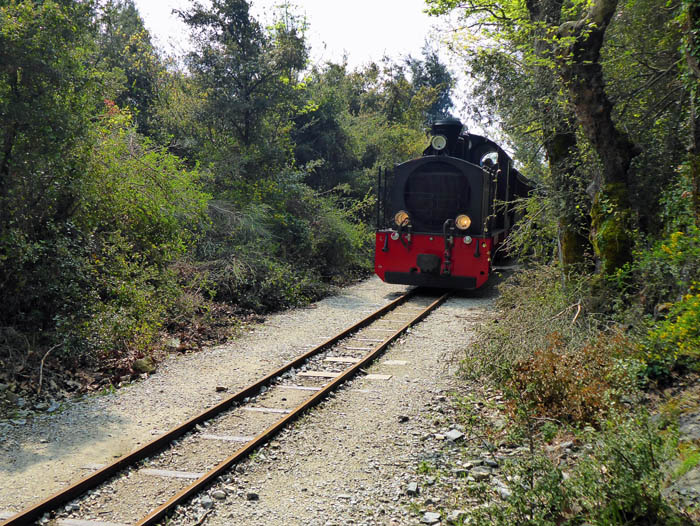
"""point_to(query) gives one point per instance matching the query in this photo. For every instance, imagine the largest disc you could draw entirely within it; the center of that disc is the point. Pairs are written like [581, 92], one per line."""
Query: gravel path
[350, 461]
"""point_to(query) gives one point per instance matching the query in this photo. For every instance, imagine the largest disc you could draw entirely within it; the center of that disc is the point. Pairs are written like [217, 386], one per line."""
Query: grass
[690, 458]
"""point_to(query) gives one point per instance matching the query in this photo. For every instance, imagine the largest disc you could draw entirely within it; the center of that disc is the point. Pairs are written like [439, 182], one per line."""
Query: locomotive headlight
[438, 142]
[463, 221]
[401, 218]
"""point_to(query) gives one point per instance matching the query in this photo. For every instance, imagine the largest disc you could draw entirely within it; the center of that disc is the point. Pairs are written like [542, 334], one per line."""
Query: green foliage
[432, 74]
[130, 299]
[537, 496]
[274, 242]
[46, 101]
[675, 339]
[534, 237]
[125, 51]
[99, 282]
[356, 121]
[142, 210]
[617, 482]
[620, 482]
[141, 191]
[249, 78]
[666, 270]
[662, 283]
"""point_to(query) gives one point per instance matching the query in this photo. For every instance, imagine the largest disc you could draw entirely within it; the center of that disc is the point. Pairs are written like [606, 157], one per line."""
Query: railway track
[238, 426]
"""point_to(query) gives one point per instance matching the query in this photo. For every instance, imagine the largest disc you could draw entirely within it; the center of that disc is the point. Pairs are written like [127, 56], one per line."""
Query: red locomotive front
[442, 216]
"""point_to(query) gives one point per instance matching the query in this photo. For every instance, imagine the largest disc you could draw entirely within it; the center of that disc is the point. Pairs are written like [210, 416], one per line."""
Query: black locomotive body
[441, 217]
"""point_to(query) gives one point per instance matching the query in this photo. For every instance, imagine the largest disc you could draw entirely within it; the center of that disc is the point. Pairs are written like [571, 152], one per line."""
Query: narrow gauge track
[287, 386]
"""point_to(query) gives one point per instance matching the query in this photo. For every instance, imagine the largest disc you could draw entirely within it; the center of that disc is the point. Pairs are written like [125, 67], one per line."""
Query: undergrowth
[566, 369]
[617, 480]
[551, 355]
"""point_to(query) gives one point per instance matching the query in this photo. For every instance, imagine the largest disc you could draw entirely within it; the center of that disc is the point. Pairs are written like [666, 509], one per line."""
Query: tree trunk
[579, 67]
[562, 154]
[8, 145]
[691, 50]
[559, 136]
[694, 157]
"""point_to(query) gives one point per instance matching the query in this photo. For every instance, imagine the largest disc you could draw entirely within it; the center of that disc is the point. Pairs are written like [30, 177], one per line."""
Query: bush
[260, 283]
[549, 354]
[674, 340]
[621, 480]
[133, 297]
[576, 385]
[537, 496]
[665, 271]
[276, 244]
[617, 481]
[532, 304]
[98, 283]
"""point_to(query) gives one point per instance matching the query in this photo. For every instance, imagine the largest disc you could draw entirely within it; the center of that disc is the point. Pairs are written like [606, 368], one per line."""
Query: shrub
[133, 297]
[666, 270]
[258, 282]
[621, 480]
[549, 354]
[676, 339]
[98, 282]
[532, 304]
[617, 481]
[576, 385]
[273, 244]
[537, 496]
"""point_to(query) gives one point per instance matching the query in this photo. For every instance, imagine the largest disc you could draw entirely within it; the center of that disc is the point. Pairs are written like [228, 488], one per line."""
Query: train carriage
[442, 217]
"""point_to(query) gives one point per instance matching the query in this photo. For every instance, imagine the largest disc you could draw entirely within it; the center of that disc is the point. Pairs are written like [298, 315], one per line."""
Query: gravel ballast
[350, 461]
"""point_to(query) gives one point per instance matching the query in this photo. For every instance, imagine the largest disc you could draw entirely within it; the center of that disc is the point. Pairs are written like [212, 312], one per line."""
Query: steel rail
[209, 477]
[29, 515]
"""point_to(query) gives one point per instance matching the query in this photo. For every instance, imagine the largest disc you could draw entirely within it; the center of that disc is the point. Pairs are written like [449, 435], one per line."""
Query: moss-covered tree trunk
[559, 135]
[611, 216]
[694, 158]
[562, 153]
[692, 60]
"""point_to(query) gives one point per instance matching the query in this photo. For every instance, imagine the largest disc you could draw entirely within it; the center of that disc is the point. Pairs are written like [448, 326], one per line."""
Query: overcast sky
[363, 29]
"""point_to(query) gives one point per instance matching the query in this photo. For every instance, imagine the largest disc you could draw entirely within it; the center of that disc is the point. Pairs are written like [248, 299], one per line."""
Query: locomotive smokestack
[450, 128]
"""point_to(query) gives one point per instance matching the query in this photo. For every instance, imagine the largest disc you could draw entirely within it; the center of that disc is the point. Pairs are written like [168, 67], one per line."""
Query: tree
[125, 51]
[564, 50]
[579, 66]
[690, 13]
[517, 79]
[430, 73]
[248, 77]
[48, 92]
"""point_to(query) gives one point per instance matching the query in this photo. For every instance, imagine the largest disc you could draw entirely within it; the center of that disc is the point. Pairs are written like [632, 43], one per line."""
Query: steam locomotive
[441, 217]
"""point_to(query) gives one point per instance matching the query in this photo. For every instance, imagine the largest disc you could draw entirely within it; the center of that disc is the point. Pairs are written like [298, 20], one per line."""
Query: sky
[365, 30]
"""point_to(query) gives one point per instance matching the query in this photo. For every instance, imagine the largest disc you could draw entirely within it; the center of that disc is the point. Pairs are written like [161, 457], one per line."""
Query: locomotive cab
[441, 216]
